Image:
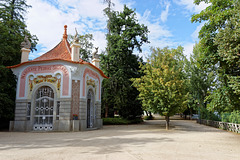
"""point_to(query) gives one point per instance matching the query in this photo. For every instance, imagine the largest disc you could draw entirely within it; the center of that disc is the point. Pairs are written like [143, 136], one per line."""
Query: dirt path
[150, 141]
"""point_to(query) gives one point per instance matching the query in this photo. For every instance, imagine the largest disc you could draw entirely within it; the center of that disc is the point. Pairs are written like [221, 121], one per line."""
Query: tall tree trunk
[150, 114]
[106, 111]
[167, 122]
[146, 113]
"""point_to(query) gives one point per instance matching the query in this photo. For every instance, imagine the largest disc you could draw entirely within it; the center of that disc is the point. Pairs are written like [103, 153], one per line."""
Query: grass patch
[148, 118]
[121, 121]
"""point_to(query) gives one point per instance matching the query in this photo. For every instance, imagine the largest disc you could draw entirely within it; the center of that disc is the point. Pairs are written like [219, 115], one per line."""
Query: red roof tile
[60, 52]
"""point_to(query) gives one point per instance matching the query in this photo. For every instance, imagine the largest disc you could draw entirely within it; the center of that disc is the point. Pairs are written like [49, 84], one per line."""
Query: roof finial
[65, 32]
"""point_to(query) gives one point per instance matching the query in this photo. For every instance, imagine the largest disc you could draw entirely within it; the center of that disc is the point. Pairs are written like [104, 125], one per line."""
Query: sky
[169, 22]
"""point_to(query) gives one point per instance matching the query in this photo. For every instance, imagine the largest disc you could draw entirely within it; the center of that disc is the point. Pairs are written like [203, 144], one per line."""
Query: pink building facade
[57, 91]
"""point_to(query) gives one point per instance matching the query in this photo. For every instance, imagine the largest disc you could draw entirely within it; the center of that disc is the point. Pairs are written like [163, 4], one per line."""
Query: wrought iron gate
[90, 109]
[44, 103]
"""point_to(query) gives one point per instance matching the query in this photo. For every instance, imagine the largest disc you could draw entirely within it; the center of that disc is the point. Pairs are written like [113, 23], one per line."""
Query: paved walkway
[186, 140]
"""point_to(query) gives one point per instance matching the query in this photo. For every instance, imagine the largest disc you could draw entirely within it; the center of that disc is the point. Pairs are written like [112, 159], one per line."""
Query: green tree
[120, 64]
[13, 30]
[220, 43]
[163, 86]
[201, 80]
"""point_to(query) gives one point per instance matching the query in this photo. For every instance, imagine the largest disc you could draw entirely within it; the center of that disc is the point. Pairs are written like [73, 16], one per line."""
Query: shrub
[120, 121]
[225, 117]
[148, 117]
[209, 115]
[233, 117]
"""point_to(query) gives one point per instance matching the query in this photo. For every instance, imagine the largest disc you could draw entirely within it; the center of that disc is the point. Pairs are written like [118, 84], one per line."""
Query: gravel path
[185, 140]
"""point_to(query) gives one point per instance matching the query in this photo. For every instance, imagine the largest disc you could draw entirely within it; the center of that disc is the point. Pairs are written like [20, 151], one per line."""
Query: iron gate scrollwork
[44, 104]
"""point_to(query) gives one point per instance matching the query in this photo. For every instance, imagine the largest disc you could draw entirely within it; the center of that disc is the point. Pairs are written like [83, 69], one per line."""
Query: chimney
[25, 54]
[75, 46]
[75, 51]
[96, 62]
[25, 45]
[95, 58]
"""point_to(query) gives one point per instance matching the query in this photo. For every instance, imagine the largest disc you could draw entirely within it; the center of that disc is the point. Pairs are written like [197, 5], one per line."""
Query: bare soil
[185, 140]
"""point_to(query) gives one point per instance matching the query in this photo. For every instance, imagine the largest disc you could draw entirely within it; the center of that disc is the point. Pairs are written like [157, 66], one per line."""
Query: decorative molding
[44, 69]
[93, 75]
[48, 78]
[91, 82]
[75, 103]
[76, 72]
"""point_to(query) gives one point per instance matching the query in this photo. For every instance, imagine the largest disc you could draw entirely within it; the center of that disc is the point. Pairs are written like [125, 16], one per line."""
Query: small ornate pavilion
[57, 91]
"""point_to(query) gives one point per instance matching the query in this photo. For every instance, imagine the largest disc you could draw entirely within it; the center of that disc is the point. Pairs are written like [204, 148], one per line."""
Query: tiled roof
[60, 52]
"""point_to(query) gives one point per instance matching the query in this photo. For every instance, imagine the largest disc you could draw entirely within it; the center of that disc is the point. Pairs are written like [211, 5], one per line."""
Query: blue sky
[169, 21]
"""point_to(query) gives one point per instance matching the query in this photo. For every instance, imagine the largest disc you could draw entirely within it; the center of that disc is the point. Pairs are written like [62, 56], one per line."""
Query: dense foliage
[12, 29]
[220, 47]
[120, 64]
[163, 86]
[201, 80]
[121, 121]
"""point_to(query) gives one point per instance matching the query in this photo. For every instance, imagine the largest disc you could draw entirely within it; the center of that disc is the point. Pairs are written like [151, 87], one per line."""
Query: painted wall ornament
[51, 69]
[48, 78]
[91, 82]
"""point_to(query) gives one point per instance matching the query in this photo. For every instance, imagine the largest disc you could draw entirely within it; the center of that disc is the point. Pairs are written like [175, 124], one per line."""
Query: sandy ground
[185, 140]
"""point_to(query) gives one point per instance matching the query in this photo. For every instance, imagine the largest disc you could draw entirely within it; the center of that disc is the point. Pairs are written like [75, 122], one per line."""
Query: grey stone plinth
[82, 125]
[29, 126]
[75, 125]
[99, 123]
[11, 126]
[64, 125]
[19, 126]
[55, 125]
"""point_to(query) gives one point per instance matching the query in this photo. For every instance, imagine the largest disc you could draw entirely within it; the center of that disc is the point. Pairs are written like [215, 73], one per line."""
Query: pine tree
[120, 64]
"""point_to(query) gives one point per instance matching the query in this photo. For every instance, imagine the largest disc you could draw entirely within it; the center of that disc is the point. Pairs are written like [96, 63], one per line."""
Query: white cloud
[188, 49]
[164, 14]
[159, 35]
[47, 20]
[191, 6]
[195, 34]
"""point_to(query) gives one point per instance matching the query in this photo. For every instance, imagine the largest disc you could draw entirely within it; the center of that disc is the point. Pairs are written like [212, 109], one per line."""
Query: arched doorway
[90, 109]
[43, 109]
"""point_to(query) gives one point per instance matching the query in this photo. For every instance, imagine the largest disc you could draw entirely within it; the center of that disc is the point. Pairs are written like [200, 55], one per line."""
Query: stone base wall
[83, 109]
[65, 109]
[233, 127]
[65, 122]
[21, 110]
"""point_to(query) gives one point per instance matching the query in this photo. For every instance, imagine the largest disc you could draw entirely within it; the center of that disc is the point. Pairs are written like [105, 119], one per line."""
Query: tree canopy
[163, 86]
[120, 64]
[13, 30]
[220, 45]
